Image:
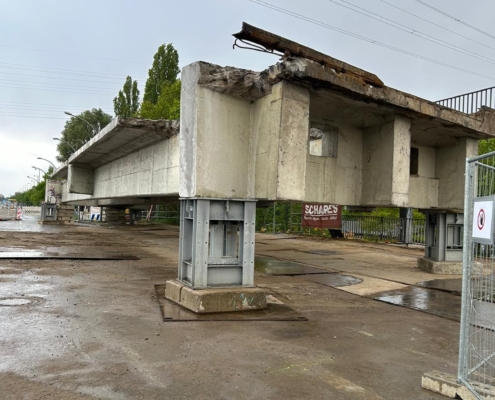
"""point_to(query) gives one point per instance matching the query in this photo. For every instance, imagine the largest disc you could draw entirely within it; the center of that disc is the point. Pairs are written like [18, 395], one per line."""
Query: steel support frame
[216, 247]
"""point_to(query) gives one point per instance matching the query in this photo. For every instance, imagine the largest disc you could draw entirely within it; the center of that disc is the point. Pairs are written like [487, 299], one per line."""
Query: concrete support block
[172, 290]
[447, 385]
[115, 216]
[207, 301]
[81, 180]
[446, 267]
[439, 267]
[440, 382]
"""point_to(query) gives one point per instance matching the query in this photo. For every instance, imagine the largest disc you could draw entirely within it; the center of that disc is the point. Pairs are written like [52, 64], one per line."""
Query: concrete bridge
[308, 129]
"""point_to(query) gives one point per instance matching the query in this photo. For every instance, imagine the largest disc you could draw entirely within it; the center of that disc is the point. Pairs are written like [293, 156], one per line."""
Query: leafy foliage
[126, 104]
[486, 146]
[36, 194]
[168, 104]
[165, 69]
[77, 132]
[161, 98]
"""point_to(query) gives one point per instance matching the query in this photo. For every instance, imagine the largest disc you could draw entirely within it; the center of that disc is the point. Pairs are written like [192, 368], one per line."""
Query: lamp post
[34, 179]
[95, 131]
[68, 144]
[39, 172]
[44, 159]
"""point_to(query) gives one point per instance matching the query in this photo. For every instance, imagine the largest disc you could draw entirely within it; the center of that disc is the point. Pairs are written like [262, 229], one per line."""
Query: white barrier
[31, 210]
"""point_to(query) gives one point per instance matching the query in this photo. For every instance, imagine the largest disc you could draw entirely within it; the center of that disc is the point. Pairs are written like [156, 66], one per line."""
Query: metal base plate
[274, 311]
[44, 255]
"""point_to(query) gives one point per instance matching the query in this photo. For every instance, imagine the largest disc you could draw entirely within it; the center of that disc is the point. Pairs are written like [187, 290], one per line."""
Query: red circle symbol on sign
[481, 219]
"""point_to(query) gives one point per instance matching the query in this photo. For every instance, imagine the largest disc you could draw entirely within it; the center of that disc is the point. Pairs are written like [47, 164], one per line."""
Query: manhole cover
[14, 302]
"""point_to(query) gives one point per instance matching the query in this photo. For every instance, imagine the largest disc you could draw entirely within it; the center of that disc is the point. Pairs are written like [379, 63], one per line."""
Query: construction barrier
[18, 216]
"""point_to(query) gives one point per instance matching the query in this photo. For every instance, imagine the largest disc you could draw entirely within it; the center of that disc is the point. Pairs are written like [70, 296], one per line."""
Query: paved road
[78, 330]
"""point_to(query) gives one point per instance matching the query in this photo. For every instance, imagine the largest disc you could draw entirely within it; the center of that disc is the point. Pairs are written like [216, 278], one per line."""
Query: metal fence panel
[364, 227]
[476, 368]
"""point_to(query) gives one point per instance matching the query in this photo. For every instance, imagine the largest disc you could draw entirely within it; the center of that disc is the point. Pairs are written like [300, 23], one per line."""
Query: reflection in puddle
[434, 302]
[449, 285]
[29, 224]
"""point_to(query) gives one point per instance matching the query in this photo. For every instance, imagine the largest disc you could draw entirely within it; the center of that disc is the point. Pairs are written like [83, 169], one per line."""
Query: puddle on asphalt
[14, 302]
[435, 302]
[335, 279]
[29, 224]
[278, 267]
[449, 285]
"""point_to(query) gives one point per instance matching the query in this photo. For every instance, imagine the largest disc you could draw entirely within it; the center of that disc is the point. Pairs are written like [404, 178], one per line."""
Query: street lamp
[39, 171]
[95, 131]
[34, 179]
[44, 159]
[68, 144]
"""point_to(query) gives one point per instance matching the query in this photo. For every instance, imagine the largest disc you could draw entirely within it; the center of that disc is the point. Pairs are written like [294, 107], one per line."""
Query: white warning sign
[483, 220]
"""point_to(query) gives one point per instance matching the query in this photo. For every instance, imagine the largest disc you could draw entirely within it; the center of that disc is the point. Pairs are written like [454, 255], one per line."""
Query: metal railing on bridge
[470, 102]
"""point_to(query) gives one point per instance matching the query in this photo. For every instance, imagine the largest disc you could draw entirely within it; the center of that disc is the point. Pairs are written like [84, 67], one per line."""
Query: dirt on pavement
[93, 329]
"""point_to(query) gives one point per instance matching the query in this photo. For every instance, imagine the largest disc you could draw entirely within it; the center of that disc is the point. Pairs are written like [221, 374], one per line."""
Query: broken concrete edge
[446, 267]
[252, 85]
[215, 300]
[273, 42]
[447, 385]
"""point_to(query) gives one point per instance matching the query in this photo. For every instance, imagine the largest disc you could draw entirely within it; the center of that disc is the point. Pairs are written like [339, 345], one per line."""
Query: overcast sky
[61, 55]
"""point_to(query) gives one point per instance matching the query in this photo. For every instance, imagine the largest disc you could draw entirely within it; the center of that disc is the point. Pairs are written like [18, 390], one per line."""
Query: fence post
[466, 270]
[273, 224]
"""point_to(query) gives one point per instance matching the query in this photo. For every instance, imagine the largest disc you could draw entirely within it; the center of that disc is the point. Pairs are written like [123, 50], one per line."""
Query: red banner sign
[326, 216]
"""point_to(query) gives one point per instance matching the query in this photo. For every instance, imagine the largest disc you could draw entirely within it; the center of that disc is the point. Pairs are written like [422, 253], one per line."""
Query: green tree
[126, 104]
[165, 68]
[77, 132]
[486, 146]
[161, 98]
[168, 105]
[36, 194]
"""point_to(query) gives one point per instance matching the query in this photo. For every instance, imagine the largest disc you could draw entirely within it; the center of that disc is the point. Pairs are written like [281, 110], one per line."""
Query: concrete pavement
[94, 329]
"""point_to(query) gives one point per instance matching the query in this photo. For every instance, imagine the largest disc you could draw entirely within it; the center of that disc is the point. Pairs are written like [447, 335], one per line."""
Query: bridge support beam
[216, 257]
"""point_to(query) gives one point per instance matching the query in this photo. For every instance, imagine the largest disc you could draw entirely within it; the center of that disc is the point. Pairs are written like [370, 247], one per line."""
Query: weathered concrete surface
[95, 330]
[439, 267]
[446, 384]
[311, 73]
[81, 180]
[439, 382]
[258, 125]
[207, 301]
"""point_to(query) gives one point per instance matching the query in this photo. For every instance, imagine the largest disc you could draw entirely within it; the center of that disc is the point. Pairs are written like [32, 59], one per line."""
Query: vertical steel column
[200, 240]
[247, 244]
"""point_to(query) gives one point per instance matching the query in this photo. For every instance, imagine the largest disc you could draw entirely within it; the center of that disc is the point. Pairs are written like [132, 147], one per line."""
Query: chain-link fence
[477, 336]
